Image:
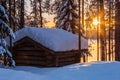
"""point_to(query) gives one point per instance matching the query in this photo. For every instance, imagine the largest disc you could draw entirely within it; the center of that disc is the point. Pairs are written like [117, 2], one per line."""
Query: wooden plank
[30, 62]
[66, 56]
[66, 59]
[40, 64]
[65, 63]
[29, 54]
[36, 65]
[29, 58]
[49, 57]
[65, 53]
[27, 49]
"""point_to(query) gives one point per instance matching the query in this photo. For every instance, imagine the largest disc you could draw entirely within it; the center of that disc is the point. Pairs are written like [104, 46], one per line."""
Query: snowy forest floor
[80, 71]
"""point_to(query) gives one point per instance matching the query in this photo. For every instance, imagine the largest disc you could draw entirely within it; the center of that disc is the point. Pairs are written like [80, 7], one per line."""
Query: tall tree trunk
[10, 22]
[40, 11]
[98, 42]
[102, 30]
[113, 33]
[79, 33]
[35, 13]
[84, 58]
[117, 31]
[109, 37]
[10, 19]
[14, 12]
[22, 14]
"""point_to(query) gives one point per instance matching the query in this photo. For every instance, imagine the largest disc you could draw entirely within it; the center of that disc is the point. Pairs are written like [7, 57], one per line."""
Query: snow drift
[80, 71]
[54, 39]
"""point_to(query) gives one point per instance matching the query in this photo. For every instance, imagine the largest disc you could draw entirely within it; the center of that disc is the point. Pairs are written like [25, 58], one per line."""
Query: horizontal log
[39, 64]
[66, 59]
[49, 57]
[22, 53]
[66, 56]
[28, 48]
[31, 50]
[36, 65]
[65, 63]
[29, 58]
[30, 62]
[66, 53]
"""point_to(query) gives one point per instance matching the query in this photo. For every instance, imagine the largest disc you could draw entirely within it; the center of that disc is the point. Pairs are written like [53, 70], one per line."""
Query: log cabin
[46, 47]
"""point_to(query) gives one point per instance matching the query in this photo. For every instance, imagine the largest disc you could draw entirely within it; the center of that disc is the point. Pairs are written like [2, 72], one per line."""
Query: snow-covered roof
[54, 39]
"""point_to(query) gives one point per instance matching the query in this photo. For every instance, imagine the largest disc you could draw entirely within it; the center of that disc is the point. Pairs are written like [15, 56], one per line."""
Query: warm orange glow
[50, 24]
[95, 21]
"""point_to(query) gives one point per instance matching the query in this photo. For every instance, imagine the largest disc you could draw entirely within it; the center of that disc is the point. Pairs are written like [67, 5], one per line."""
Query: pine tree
[67, 17]
[5, 30]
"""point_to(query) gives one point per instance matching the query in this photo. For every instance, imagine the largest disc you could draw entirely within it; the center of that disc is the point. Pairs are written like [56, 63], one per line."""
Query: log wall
[27, 52]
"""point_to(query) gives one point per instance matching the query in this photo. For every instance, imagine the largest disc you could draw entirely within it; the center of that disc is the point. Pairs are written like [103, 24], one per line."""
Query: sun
[95, 21]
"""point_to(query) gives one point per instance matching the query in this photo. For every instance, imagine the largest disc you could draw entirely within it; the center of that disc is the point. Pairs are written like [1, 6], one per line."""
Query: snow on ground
[80, 71]
[55, 39]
